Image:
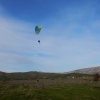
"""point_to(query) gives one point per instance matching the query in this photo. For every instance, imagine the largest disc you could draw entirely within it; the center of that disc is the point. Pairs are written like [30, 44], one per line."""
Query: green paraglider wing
[38, 29]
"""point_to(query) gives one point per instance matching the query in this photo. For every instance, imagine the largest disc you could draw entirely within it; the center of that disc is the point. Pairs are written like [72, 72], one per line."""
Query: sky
[70, 36]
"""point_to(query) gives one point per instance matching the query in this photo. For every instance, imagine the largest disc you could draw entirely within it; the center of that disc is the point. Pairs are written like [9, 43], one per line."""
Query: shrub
[96, 77]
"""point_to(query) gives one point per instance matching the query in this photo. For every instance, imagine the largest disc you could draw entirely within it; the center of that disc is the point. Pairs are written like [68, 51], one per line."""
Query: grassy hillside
[48, 89]
[48, 86]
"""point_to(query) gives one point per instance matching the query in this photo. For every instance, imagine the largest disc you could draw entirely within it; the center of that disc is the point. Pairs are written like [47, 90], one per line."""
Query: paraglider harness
[39, 41]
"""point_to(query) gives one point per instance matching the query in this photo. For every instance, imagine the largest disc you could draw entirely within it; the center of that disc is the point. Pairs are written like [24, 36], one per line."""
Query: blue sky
[70, 37]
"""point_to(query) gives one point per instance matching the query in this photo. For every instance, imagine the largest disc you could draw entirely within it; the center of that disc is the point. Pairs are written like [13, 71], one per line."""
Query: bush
[96, 77]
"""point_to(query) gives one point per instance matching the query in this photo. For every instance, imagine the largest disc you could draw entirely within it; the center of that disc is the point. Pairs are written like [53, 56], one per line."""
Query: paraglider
[37, 30]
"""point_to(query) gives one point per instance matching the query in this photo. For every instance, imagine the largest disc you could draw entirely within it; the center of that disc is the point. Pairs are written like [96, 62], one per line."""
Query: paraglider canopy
[38, 29]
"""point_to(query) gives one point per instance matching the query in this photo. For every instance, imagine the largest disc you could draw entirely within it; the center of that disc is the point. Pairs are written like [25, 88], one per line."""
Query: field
[57, 87]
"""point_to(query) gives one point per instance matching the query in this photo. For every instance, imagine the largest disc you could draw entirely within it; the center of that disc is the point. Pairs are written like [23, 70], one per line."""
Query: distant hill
[46, 75]
[33, 75]
[91, 70]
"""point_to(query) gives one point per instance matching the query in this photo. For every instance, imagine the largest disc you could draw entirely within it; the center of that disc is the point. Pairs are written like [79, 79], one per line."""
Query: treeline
[26, 75]
[36, 75]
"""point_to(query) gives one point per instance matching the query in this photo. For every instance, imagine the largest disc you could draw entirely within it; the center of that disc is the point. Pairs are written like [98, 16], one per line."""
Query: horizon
[53, 72]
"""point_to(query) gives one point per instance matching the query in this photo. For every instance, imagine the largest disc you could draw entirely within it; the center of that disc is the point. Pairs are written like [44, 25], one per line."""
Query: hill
[32, 75]
[91, 70]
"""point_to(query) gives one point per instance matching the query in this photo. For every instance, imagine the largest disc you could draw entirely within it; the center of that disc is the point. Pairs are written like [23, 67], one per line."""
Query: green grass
[47, 89]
